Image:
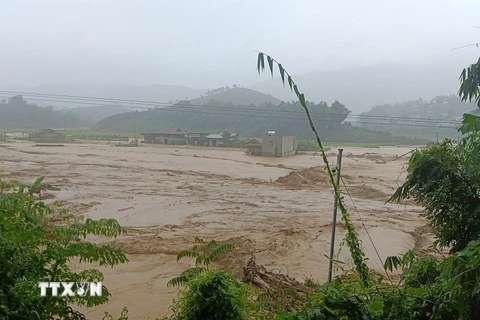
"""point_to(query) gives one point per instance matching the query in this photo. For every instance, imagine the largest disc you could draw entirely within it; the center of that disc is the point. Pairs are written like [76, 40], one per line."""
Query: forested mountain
[251, 120]
[17, 113]
[418, 117]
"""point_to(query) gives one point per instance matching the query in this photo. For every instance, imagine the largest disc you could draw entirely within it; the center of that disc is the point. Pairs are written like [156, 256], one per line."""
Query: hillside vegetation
[251, 120]
[94, 114]
[418, 117]
[16, 113]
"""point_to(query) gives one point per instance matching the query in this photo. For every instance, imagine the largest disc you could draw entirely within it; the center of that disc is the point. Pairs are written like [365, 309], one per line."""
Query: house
[196, 138]
[163, 136]
[254, 147]
[278, 146]
[49, 134]
[216, 140]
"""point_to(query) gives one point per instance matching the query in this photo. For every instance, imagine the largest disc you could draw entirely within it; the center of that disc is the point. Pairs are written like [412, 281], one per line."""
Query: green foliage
[37, 244]
[17, 113]
[351, 237]
[212, 295]
[35, 188]
[215, 116]
[445, 179]
[456, 294]
[204, 254]
[470, 83]
[470, 122]
[415, 117]
[226, 138]
[417, 271]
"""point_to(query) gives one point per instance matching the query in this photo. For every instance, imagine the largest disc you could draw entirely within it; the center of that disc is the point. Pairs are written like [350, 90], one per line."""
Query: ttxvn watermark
[70, 289]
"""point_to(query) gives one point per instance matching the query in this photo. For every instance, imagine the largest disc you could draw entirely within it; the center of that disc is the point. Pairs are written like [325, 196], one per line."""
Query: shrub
[211, 295]
[37, 242]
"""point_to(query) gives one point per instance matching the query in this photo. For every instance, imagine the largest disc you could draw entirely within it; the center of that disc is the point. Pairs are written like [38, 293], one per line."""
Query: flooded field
[277, 209]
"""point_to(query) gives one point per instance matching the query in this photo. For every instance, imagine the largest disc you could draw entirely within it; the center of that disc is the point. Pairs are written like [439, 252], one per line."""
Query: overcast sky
[211, 43]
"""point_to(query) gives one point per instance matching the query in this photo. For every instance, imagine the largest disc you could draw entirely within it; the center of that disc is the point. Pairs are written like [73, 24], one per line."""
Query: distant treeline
[418, 117]
[16, 113]
[251, 120]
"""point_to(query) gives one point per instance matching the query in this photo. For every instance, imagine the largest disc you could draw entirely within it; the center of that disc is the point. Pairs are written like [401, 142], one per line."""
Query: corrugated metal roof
[49, 130]
[254, 141]
[168, 130]
[215, 136]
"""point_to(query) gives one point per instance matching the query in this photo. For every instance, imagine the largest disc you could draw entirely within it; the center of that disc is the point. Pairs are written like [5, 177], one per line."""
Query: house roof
[49, 130]
[166, 130]
[215, 136]
[255, 141]
[169, 130]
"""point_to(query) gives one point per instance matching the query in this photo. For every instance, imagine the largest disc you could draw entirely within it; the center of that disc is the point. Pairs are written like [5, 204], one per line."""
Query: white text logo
[70, 289]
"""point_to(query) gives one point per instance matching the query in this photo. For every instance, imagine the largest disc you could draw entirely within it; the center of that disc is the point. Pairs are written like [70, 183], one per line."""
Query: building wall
[269, 145]
[50, 136]
[161, 139]
[219, 142]
[255, 150]
[288, 146]
[279, 146]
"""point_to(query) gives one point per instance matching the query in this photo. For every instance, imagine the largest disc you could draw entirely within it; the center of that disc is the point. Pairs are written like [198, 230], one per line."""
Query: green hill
[252, 121]
[237, 96]
[17, 113]
[441, 115]
[94, 114]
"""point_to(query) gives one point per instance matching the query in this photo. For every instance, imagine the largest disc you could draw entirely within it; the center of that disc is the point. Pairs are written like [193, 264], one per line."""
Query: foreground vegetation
[38, 243]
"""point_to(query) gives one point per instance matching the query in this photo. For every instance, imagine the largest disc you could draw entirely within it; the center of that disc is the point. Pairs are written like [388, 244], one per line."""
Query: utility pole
[437, 136]
[334, 222]
[236, 127]
[65, 123]
[134, 131]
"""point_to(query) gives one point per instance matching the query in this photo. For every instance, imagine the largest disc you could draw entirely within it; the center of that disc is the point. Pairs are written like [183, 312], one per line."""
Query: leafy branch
[351, 238]
[203, 253]
[470, 83]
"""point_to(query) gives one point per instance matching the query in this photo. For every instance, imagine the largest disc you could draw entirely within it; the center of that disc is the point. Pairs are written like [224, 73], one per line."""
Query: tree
[445, 179]
[226, 138]
[37, 244]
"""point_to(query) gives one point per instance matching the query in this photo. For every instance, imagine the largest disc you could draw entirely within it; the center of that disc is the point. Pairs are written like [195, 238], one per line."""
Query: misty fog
[206, 44]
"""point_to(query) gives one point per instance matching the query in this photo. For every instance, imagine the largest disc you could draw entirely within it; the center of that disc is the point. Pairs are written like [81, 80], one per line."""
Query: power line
[135, 104]
[249, 114]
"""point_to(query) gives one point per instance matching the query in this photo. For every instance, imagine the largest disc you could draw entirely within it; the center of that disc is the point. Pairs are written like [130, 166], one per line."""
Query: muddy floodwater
[277, 209]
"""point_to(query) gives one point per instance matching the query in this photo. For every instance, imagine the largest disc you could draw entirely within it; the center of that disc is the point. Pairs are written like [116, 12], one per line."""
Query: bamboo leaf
[295, 88]
[259, 62]
[290, 82]
[282, 73]
[302, 99]
[270, 64]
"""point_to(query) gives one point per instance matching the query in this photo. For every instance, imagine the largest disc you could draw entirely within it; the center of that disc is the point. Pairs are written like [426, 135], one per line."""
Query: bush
[212, 295]
[37, 242]
[445, 179]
